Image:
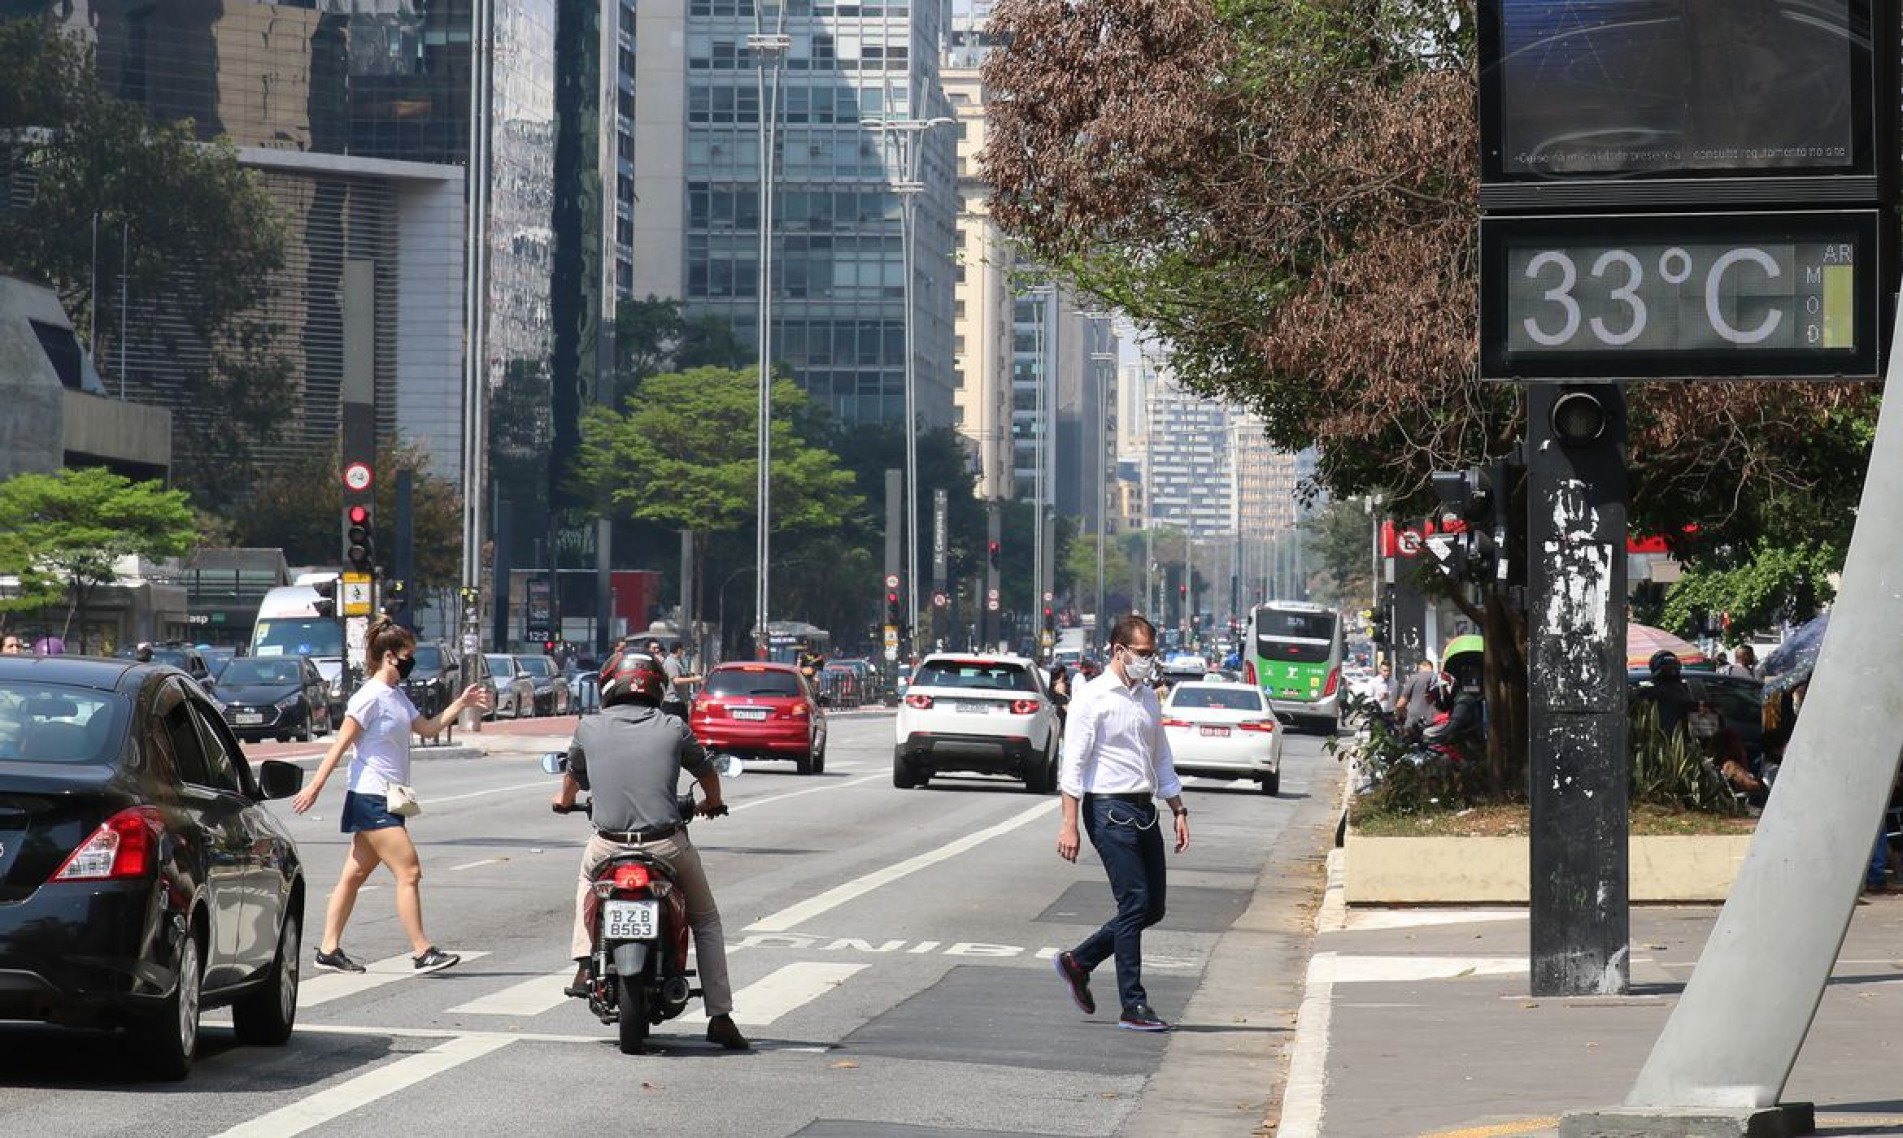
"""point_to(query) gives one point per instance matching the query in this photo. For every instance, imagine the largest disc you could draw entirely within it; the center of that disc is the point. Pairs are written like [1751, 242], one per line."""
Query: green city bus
[1295, 656]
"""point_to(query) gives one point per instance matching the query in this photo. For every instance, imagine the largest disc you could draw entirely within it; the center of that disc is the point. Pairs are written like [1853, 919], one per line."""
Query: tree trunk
[1506, 697]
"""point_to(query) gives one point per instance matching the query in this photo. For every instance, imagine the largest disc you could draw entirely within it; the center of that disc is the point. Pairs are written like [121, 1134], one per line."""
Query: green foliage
[654, 337]
[71, 526]
[1339, 540]
[1776, 583]
[1669, 770]
[1398, 776]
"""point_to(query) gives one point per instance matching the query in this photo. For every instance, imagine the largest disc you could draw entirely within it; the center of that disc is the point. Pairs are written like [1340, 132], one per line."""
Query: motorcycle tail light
[921, 702]
[125, 845]
[631, 877]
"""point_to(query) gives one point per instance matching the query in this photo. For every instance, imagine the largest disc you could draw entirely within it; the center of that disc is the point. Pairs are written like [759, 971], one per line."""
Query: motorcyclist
[630, 758]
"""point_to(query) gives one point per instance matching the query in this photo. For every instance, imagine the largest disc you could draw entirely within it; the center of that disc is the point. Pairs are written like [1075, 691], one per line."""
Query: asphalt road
[890, 950]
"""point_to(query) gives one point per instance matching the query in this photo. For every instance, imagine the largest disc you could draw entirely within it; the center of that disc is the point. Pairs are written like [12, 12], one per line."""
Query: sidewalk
[1418, 1022]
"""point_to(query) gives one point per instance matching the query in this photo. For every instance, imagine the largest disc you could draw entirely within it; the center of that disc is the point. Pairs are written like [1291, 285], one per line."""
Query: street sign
[1047, 597]
[357, 477]
[1407, 542]
[891, 642]
[1441, 545]
[991, 600]
[356, 633]
[891, 580]
[357, 600]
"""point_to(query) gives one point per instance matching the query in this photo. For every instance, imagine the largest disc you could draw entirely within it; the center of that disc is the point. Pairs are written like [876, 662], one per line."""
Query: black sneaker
[1078, 980]
[434, 959]
[337, 961]
[1141, 1018]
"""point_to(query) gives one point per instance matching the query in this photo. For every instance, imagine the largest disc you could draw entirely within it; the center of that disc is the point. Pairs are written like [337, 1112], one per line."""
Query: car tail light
[1176, 723]
[799, 711]
[1248, 671]
[1334, 677]
[922, 702]
[631, 877]
[1257, 725]
[125, 845]
[1024, 707]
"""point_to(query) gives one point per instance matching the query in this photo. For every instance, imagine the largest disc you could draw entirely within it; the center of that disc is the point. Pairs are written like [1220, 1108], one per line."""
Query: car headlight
[288, 703]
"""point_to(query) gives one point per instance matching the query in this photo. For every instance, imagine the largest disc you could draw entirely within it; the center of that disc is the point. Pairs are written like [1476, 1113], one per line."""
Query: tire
[309, 731]
[804, 764]
[265, 1017]
[819, 758]
[1271, 785]
[167, 1040]
[903, 776]
[634, 1015]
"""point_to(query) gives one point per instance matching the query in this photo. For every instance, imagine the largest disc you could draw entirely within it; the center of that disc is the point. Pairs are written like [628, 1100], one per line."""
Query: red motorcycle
[638, 975]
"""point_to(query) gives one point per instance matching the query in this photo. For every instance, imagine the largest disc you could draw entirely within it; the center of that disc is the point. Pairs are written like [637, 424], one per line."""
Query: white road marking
[1402, 969]
[806, 910]
[352, 1094]
[530, 997]
[1367, 920]
[474, 864]
[1308, 1055]
[780, 991]
[735, 808]
[430, 800]
[323, 987]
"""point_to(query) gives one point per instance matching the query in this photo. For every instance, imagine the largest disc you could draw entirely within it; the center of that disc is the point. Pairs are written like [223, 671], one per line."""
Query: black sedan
[141, 878]
[274, 697]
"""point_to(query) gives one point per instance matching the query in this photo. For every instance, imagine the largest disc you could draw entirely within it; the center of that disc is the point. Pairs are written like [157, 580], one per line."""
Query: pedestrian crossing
[324, 987]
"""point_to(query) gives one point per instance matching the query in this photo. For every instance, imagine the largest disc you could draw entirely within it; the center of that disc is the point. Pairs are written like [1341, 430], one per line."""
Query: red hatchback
[761, 711]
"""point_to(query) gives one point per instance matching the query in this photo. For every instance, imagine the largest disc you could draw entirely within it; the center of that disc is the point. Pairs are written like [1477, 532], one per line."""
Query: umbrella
[1642, 641]
[1796, 658]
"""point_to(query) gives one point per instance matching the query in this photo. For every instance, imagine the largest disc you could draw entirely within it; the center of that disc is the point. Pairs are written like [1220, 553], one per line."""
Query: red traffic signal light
[359, 546]
[1182, 590]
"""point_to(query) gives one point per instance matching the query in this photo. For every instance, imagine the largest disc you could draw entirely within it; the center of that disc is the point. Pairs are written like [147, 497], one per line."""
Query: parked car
[988, 714]
[1224, 730]
[141, 878]
[476, 671]
[437, 679]
[184, 657]
[515, 689]
[279, 697]
[216, 657]
[761, 711]
[552, 696]
[1739, 701]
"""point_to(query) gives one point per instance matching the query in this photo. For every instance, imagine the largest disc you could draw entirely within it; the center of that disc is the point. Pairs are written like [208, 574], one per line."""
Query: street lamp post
[907, 132]
[1101, 360]
[768, 50]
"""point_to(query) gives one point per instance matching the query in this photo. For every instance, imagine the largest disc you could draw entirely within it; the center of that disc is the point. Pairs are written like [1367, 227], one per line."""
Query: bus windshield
[298, 636]
[1295, 636]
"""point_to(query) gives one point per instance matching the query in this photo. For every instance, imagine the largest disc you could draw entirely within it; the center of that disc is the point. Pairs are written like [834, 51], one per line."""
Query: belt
[1136, 797]
[638, 837]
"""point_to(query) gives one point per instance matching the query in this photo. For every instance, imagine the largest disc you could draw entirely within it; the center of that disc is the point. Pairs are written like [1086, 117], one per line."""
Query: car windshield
[981, 675]
[752, 681]
[176, 657]
[298, 636]
[44, 723]
[1218, 699]
[260, 670]
[428, 658]
[501, 667]
[537, 666]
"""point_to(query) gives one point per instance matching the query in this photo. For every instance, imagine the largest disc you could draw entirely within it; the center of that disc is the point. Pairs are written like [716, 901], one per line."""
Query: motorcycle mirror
[729, 766]
[554, 762]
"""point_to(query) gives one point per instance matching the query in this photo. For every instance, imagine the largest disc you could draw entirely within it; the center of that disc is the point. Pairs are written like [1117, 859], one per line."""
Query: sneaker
[1078, 980]
[337, 961]
[434, 959]
[1141, 1018]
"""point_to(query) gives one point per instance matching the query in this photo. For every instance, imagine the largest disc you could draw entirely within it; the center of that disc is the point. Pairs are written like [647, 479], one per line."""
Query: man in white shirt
[1116, 763]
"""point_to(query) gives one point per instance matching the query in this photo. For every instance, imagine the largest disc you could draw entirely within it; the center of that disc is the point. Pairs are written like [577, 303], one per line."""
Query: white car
[1225, 730]
[989, 714]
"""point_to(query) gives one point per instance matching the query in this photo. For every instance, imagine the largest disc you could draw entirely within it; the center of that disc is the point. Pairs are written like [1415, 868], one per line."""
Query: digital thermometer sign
[1643, 296]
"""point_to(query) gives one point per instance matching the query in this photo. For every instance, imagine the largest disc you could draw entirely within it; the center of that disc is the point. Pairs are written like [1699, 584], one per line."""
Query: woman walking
[379, 721]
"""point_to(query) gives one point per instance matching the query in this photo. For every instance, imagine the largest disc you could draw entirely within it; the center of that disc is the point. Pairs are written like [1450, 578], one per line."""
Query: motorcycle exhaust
[675, 990]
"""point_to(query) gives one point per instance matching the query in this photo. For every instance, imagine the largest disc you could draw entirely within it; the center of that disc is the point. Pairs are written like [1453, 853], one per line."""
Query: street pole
[768, 50]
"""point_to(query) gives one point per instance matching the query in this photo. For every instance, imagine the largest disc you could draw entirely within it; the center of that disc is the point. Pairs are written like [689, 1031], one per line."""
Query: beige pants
[710, 944]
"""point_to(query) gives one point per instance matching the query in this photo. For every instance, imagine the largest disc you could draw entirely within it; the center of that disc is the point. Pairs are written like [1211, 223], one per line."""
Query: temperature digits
[1614, 305]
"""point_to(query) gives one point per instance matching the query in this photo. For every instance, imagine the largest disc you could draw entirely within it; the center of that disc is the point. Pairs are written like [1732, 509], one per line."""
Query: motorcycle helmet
[632, 677]
[1663, 663]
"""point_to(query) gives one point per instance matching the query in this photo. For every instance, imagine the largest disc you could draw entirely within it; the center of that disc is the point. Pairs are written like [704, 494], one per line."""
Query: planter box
[1471, 871]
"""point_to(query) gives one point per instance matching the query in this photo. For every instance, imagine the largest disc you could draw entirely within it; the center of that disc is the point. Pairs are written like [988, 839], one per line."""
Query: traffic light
[1580, 417]
[359, 539]
[995, 551]
[892, 611]
[1050, 619]
[326, 597]
[396, 600]
[1473, 511]
[1382, 630]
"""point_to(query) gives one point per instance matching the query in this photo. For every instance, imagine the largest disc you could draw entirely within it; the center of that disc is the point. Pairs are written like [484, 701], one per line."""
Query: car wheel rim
[188, 997]
[288, 970]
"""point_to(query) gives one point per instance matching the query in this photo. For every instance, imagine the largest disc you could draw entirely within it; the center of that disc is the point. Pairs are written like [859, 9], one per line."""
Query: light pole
[1101, 360]
[1040, 459]
[908, 134]
[768, 50]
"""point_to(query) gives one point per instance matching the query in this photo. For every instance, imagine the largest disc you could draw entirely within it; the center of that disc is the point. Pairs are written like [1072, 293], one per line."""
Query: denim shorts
[367, 812]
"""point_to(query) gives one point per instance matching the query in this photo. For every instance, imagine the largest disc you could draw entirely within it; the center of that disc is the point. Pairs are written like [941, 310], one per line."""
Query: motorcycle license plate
[749, 713]
[1219, 732]
[631, 920]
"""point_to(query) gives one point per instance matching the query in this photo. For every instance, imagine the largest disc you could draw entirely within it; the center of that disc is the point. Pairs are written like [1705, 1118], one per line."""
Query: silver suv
[987, 714]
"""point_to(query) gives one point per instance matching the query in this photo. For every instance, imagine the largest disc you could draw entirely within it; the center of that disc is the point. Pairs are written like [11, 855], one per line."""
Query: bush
[1670, 770]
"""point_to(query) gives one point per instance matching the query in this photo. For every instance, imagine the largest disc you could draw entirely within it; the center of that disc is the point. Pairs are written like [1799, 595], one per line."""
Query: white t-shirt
[383, 750]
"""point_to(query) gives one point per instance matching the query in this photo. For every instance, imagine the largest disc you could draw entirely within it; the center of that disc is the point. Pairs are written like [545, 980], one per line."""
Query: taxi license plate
[631, 920]
[1219, 732]
[749, 713]
[247, 719]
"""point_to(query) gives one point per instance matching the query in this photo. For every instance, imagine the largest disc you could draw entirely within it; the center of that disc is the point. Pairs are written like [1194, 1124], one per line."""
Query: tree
[654, 337]
[683, 455]
[202, 234]
[74, 525]
[1341, 538]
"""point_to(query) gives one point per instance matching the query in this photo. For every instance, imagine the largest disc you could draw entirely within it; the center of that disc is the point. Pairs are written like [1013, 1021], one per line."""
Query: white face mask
[1138, 668]
[1703, 724]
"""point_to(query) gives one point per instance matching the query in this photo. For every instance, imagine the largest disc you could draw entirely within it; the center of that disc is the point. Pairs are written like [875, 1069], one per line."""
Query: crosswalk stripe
[530, 997]
[782, 990]
[323, 987]
[380, 1082]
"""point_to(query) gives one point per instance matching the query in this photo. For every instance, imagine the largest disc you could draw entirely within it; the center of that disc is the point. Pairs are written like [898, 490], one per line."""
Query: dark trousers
[1129, 839]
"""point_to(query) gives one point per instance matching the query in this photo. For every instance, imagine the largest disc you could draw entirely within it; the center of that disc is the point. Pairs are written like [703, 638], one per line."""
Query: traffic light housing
[1382, 631]
[995, 551]
[360, 551]
[396, 600]
[1050, 619]
[326, 597]
[892, 610]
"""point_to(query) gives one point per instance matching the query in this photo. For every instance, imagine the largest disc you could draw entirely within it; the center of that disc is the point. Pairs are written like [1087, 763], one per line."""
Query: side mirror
[729, 766]
[278, 779]
[555, 762]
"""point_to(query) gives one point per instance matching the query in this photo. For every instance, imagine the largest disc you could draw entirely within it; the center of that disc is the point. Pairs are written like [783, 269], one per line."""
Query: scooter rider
[630, 757]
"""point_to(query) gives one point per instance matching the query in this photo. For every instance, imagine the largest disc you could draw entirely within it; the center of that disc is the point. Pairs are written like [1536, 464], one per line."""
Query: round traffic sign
[1409, 541]
[357, 477]
[940, 600]
[891, 580]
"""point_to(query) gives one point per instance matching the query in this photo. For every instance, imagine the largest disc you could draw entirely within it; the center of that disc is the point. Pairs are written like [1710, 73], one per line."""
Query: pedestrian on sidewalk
[379, 721]
[1116, 762]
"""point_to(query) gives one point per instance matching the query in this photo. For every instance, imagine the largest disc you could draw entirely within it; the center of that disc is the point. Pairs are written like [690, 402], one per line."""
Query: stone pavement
[1418, 1022]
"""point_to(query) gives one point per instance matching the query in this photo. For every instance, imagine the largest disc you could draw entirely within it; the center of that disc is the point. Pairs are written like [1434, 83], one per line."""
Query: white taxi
[1225, 730]
[979, 713]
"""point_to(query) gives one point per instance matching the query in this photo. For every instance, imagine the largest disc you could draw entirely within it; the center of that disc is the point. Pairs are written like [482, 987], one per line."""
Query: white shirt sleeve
[1162, 759]
[1080, 740]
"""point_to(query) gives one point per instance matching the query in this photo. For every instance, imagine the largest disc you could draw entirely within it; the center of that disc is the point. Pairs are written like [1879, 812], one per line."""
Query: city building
[982, 304]
[705, 86]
